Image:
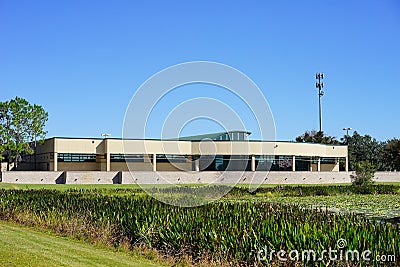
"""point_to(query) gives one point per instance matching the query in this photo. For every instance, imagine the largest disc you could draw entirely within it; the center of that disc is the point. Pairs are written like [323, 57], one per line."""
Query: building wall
[25, 166]
[116, 146]
[330, 167]
[4, 166]
[324, 167]
[47, 147]
[105, 147]
[166, 166]
[84, 146]
[148, 147]
[265, 148]
[147, 166]
[78, 166]
[133, 166]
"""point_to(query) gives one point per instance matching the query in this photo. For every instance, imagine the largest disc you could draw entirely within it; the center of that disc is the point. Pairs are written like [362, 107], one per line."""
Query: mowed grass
[25, 246]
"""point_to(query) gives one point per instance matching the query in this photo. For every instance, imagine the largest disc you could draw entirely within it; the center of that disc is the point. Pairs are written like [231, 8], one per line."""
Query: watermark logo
[339, 253]
[341, 243]
[190, 158]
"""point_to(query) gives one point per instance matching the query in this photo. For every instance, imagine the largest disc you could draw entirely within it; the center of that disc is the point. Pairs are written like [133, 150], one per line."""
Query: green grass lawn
[25, 246]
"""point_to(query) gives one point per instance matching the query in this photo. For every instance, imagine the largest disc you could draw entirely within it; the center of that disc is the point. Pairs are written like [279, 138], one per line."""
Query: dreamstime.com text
[331, 254]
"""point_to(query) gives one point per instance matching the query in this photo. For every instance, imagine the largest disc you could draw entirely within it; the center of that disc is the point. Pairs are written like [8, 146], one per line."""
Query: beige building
[230, 151]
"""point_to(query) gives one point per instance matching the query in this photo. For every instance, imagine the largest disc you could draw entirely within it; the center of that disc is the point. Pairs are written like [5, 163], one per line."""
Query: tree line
[382, 155]
[21, 128]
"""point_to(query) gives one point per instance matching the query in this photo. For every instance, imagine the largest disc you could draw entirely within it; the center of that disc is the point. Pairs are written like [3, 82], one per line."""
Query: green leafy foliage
[328, 190]
[317, 137]
[364, 173]
[391, 152]
[230, 232]
[365, 148]
[21, 124]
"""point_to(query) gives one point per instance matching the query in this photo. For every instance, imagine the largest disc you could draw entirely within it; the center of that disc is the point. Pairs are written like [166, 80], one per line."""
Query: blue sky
[83, 60]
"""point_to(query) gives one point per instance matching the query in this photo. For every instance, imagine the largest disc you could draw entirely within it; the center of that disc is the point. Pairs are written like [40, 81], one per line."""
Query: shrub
[364, 173]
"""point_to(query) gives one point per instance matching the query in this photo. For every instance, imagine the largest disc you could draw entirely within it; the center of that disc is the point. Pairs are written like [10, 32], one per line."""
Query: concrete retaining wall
[387, 177]
[30, 177]
[92, 177]
[233, 177]
[149, 177]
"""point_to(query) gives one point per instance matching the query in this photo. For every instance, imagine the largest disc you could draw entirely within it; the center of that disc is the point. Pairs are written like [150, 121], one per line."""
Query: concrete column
[55, 161]
[108, 156]
[55, 155]
[253, 163]
[154, 162]
[347, 164]
[311, 164]
[108, 162]
[319, 164]
[294, 163]
[195, 163]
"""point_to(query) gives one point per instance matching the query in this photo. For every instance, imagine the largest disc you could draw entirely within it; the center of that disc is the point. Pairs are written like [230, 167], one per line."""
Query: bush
[364, 173]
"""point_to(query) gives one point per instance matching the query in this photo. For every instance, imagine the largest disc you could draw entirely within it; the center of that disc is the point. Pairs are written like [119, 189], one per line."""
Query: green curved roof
[212, 136]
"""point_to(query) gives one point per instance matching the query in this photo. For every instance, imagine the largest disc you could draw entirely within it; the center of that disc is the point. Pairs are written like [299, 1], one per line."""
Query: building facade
[228, 151]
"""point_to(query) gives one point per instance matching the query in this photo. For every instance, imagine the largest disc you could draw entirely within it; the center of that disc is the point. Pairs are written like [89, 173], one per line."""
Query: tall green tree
[21, 126]
[317, 137]
[391, 151]
[365, 148]
[37, 122]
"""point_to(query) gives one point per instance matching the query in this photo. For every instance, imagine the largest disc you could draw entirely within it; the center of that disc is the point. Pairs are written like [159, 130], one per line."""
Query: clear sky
[83, 60]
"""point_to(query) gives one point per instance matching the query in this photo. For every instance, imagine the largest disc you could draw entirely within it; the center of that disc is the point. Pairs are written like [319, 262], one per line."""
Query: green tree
[21, 125]
[317, 137]
[37, 122]
[365, 148]
[365, 171]
[391, 152]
